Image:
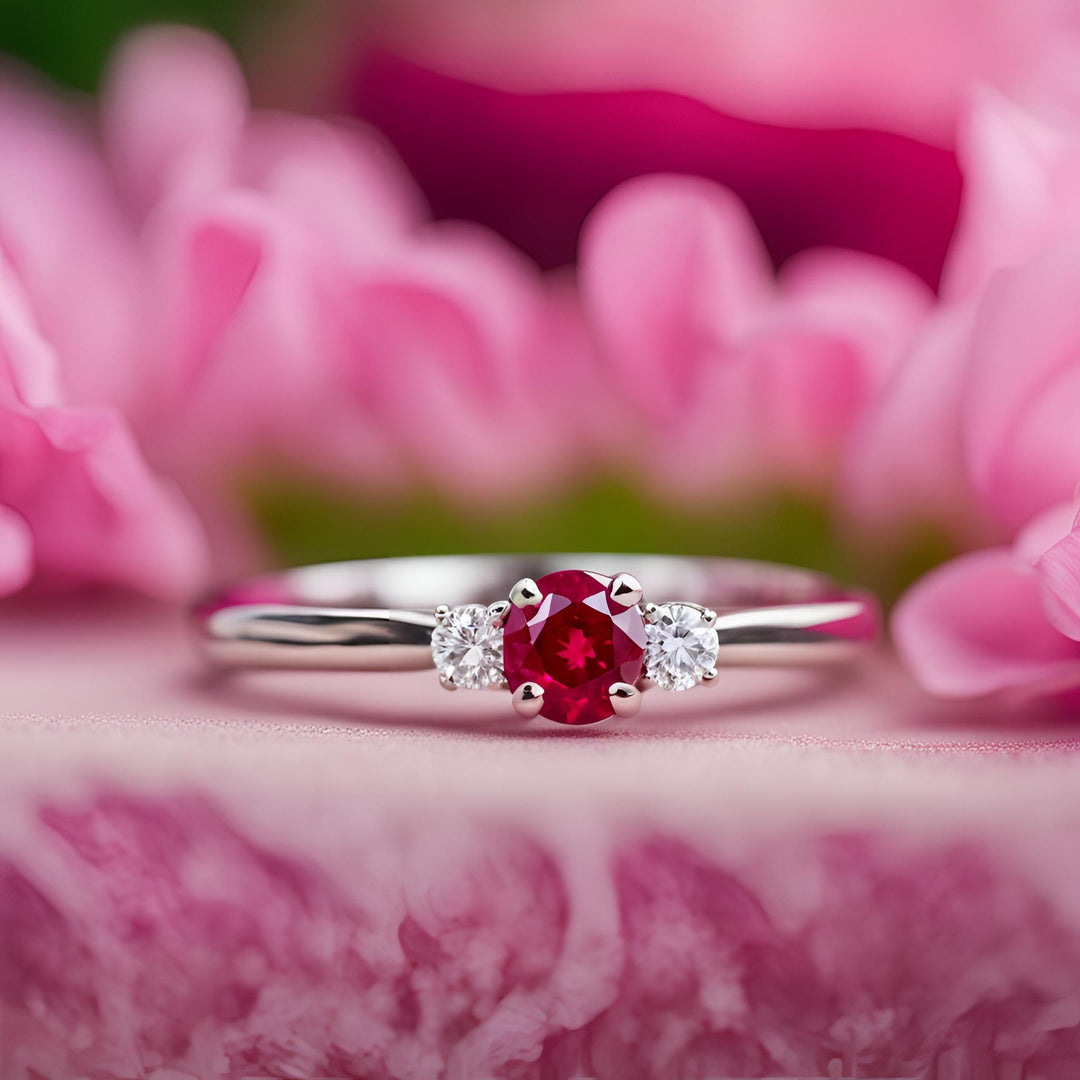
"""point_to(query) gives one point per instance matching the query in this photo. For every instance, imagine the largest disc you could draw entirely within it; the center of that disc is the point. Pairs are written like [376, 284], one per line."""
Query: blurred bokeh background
[833, 123]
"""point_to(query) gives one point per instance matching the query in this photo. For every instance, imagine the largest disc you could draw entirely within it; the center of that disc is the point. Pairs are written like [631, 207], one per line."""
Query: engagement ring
[574, 646]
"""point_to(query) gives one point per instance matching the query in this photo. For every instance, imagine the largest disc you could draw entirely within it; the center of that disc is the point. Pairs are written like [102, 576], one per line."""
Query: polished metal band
[378, 614]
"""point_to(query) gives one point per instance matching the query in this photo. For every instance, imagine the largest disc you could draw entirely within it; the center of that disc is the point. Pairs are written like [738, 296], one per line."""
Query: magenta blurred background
[792, 280]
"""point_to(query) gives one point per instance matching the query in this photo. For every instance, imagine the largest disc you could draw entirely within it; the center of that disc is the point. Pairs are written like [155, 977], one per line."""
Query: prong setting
[441, 613]
[528, 700]
[498, 611]
[447, 682]
[626, 590]
[625, 700]
[525, 593]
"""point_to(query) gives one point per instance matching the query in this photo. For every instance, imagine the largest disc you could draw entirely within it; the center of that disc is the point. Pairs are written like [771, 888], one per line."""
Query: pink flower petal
[977, 625]
[906, 464]
[16, 551]
[674, 274]
[175, 103]
[1021, 186]
[67, 244]
[77, 481]
[445, 344]
[96, 512]
[1058, 569]
[1023, 391]
[875, 305]
[1043, 532]
[343, 183]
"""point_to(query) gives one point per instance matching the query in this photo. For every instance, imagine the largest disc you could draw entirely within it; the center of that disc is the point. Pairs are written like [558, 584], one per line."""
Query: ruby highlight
[576, 643]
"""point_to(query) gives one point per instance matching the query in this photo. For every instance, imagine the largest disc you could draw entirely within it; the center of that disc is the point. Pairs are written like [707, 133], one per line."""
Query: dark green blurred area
[69, 40]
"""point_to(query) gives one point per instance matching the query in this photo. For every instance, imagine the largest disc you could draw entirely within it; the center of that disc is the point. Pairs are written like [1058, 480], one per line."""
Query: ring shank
[377, 614]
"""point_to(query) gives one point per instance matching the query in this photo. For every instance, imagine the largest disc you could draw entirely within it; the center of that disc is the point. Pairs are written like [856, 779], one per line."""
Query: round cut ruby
[575, 643]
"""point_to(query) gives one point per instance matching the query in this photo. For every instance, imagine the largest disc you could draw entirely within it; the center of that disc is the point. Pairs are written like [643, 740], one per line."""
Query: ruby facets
[576, 643]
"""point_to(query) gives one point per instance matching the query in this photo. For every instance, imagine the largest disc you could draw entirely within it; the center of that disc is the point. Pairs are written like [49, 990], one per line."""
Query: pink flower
[1001, 618]
[738, 378]
[247, 218]
[65, 238]
[1021, 192]
[77, 503]
[301, 309]
[976, 430]
[984, 414]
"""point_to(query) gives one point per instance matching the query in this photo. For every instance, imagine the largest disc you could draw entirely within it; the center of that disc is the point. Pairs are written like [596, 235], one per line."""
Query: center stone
[575, 643]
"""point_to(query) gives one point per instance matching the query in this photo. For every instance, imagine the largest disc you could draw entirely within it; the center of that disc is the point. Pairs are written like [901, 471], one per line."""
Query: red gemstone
[576, 643]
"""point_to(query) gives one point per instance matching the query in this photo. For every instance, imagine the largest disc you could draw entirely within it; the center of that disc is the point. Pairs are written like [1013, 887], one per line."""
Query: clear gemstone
[682, 646]
[467, 647]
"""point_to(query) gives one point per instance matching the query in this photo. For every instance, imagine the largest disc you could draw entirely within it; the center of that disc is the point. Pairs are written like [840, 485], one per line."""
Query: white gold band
[378, 614]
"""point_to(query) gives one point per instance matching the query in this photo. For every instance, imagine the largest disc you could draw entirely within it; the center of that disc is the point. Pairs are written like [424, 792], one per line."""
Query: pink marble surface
[296, 875]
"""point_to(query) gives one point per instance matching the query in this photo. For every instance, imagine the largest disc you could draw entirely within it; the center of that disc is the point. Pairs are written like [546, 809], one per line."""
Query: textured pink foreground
[287, 876]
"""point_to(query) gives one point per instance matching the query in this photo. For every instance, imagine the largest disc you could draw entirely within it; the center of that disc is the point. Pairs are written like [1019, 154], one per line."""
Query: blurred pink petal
[175, 103]
[737, 379]
[977, 625]
[1021, 190]
[906, 465]
[446, 345]
[674, 274]
[1043, 532]
[976, 431]
[95, 512]
[16, 551]
[340, 181]
[1023, 387]
[253, 222]
[88, 509]
[65, 238]
[878, 306]
[1058, 566]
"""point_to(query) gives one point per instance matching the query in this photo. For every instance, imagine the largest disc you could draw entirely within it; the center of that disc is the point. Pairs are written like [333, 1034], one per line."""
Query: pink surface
[293, 875]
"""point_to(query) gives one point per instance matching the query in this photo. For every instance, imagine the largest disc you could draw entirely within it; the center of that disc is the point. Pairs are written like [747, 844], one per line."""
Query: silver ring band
[584, 638]
[378, 614]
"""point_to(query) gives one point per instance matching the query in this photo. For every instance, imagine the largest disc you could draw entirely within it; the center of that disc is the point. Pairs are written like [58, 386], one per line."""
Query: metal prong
[708, 677]
[528, 699]
[626, 590]
[649, 611]
[441, 612]
[625, 699]
[709, 616]
[447, 682]
[525, 593]
[498, 611]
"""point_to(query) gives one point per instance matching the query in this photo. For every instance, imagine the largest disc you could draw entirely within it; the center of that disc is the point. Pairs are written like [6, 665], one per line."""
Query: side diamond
[467, 648]
[682, 646]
